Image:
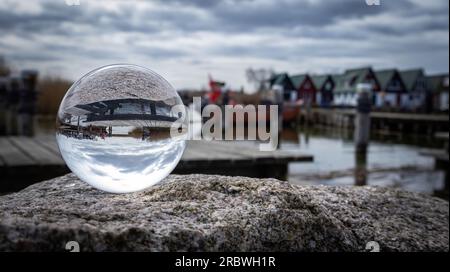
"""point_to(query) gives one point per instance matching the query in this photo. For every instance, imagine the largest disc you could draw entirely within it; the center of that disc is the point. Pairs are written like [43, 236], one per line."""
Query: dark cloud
[193, 33]
[53, 15]
[290, 14]
[235, 16]
[31, 56]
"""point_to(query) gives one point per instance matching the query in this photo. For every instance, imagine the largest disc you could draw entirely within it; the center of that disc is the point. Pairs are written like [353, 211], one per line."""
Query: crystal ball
[120, 128]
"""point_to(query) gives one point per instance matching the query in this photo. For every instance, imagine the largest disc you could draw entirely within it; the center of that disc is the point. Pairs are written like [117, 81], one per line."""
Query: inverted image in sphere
[121, 128]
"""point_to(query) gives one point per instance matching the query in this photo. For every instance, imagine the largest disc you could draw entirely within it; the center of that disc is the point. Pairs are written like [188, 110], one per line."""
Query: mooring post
[362, 118]
[362, 132]
[360, 168]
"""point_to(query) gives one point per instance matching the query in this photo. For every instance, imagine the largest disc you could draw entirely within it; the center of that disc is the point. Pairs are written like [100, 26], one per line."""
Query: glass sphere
[120, 128]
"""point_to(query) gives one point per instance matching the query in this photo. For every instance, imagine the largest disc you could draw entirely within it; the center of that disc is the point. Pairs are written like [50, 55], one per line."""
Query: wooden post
[308, 112]
[362, 118]
[360, 168]
[362, 132]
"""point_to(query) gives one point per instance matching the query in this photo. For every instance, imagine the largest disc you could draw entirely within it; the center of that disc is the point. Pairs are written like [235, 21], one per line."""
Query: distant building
[283, 81]
[417, 95]
[305, 88]
[325, 85]
[392, 89]
[17, 102]
[408, 90]
[18, 91]
[345, 90]
[439, 88]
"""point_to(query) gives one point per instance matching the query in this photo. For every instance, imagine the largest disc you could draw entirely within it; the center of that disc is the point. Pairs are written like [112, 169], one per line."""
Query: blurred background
[307, 56]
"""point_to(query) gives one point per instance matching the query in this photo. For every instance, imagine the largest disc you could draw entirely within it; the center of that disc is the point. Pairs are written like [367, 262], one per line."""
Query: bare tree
[259, 77]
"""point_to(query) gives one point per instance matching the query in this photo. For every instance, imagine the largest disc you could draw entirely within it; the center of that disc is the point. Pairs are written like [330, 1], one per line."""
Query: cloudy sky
[185, 40]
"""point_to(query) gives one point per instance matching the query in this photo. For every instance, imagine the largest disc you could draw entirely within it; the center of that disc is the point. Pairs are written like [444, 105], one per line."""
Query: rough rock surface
[215, 213]
[119, 82]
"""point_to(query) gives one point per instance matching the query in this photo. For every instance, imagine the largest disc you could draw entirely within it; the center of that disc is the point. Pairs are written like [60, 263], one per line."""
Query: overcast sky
[185, 40]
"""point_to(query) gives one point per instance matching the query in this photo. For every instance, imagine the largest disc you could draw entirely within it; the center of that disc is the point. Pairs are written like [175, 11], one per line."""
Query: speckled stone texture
[215, 213]
[119, 82]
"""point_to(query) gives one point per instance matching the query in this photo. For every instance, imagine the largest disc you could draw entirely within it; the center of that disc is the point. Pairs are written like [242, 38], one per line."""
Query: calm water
[391, 160]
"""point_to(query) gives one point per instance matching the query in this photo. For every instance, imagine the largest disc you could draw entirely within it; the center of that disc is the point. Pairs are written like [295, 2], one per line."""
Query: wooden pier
[26, 160]
[381, 121]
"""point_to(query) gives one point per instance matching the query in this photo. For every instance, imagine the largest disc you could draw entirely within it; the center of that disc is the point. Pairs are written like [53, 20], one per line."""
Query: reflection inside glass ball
[117, 128]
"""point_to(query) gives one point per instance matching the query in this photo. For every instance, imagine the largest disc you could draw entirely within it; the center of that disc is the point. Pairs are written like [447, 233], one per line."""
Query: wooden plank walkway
[411, 117]
[437, 154]
[25, 160]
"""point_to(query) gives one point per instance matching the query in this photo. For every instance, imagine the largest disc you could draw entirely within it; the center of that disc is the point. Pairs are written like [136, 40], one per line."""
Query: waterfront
[391, 161]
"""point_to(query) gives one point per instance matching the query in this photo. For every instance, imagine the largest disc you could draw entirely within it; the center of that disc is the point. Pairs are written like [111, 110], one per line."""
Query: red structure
[216, 89]
[305, 88]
